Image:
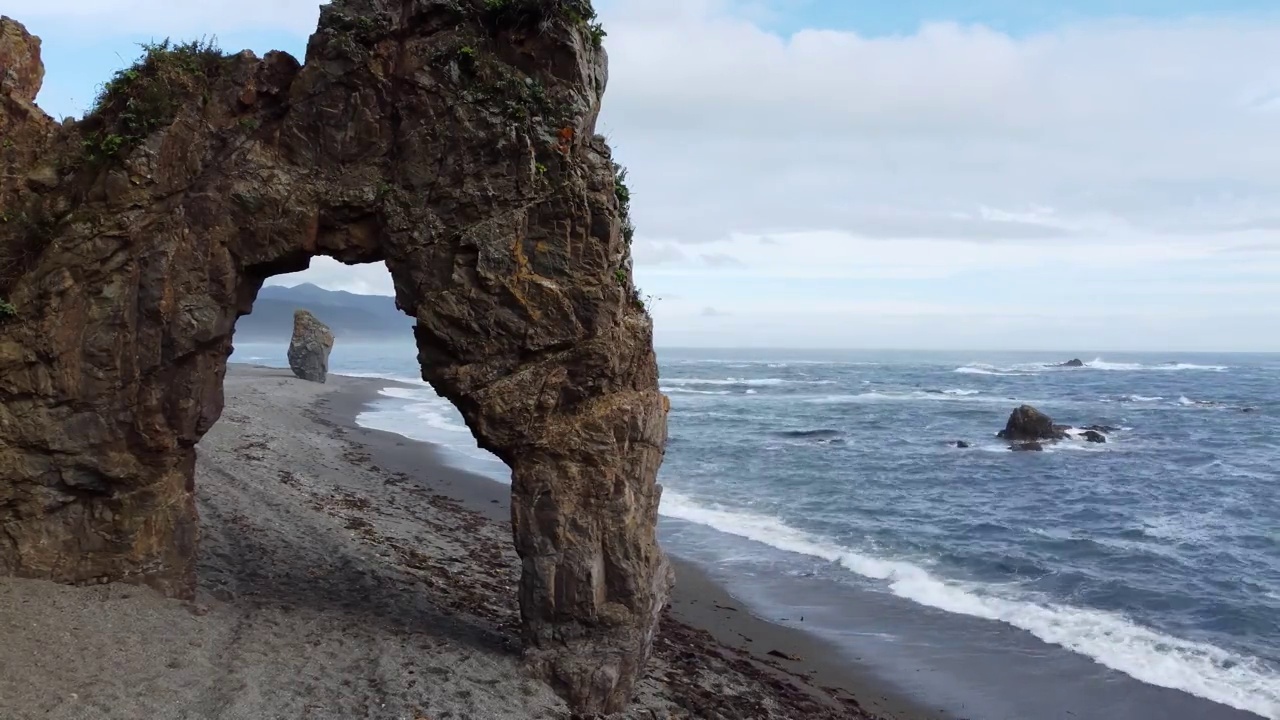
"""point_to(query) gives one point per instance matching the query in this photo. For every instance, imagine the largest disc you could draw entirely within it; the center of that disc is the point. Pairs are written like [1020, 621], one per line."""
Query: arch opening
[496, 213]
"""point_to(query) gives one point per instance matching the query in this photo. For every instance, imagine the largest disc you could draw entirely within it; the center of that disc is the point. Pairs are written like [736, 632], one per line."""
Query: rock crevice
[453, 142]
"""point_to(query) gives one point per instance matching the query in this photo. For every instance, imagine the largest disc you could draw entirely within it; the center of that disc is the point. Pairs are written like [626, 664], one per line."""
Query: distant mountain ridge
[349, 315]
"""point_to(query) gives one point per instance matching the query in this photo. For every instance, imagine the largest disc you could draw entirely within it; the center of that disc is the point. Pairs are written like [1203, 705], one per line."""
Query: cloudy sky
[1038, 174]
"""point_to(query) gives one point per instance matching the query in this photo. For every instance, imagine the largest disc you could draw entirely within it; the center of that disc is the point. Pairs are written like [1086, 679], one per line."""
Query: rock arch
[452, 139]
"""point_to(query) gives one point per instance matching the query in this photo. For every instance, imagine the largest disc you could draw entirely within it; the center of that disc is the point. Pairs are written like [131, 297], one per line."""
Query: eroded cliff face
[452, 139]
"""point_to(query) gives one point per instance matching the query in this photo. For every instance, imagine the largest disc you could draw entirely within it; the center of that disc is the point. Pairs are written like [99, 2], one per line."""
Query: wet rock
[1027, 447]
[309, 348]
[1074, 363]
[1029, 424]
[959, 444]
[1101, 428]
[1093, 436]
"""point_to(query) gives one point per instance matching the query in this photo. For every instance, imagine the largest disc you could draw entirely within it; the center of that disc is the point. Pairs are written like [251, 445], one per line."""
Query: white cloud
[950, 132]
[837, 255]
[371, 279]
[170, 17]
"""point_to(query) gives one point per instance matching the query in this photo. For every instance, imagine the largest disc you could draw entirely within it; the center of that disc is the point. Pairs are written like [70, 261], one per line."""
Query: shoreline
[976, 668]
[346, 573]
[698, 602]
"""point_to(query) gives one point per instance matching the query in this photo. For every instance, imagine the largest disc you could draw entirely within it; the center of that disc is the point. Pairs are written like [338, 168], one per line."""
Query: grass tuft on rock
[147, 95]
[623, 193]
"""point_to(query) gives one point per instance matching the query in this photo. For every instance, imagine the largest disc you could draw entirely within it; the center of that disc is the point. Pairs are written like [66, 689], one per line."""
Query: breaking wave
[1095, 364]
[1109, 638]
[749, 382]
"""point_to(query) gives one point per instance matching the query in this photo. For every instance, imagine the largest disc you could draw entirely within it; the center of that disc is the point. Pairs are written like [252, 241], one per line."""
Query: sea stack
[1027, 424]
[309, 349]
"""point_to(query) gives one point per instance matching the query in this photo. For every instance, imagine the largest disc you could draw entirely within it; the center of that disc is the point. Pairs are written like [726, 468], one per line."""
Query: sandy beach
[349, 573]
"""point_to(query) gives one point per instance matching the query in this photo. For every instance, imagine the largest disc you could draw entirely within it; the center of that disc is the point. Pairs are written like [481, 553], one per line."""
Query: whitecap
[756, 382]
[1109, 638]
[989, 370]
[687, 391]
[1100, 364]
[913, 396]
[1188, 402]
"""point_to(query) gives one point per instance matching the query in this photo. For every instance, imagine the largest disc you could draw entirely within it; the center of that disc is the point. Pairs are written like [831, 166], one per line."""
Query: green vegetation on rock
[623, 194]
[147, 95]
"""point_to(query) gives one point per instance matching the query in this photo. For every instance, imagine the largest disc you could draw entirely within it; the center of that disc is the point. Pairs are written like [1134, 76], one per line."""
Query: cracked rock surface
[454, 142]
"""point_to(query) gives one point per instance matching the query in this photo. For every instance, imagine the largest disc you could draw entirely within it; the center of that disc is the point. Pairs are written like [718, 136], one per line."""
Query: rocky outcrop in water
[1072, 363]
[1028, 429]
[1027, 424]
[453, 140]
[309, 347]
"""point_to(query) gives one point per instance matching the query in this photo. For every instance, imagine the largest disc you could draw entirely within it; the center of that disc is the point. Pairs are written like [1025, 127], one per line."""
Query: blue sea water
[804, 479]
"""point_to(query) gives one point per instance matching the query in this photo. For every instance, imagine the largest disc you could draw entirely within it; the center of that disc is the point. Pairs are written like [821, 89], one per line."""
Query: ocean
[827, 490]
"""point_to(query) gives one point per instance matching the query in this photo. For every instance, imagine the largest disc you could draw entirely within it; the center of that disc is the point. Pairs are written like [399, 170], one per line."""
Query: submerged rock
[1093, 436]
[309, 349]
[1029, 424]
[959, 444]
[1027, 447]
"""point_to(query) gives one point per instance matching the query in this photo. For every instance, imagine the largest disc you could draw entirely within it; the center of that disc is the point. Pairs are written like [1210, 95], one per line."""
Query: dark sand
[348, 573]
[699, 606]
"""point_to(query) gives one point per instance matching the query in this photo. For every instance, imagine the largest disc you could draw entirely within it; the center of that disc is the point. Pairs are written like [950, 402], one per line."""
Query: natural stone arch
[452, 139]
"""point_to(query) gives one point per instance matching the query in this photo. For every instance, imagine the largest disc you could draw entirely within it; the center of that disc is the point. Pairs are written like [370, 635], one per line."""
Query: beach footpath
[348, 573]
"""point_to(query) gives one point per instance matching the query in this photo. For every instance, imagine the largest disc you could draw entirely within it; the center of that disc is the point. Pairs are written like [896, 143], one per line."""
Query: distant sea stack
[1074, 362]
[310, 347]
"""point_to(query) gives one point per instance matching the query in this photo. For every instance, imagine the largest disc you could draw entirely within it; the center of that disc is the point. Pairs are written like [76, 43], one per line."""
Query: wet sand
[349, 573]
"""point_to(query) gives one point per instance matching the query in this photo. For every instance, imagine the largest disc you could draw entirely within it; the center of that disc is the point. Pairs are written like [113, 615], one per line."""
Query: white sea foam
[1017, 369]
[913, 396]
[394, 378]
[751, 382]
[1189, 527]
[989, 370]
[1142, 398]
[1100, 364]
[435, 411]
[1109, 638]
[687, 391]
[1188, 402]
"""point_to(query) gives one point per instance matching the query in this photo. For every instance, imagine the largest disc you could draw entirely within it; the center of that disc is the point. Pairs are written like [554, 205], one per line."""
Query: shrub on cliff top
[146, 96]
[534, 13]
[7, 310]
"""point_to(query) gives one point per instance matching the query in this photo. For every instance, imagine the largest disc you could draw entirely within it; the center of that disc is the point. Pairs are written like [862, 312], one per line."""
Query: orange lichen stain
[566, 138]
[522, 274]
